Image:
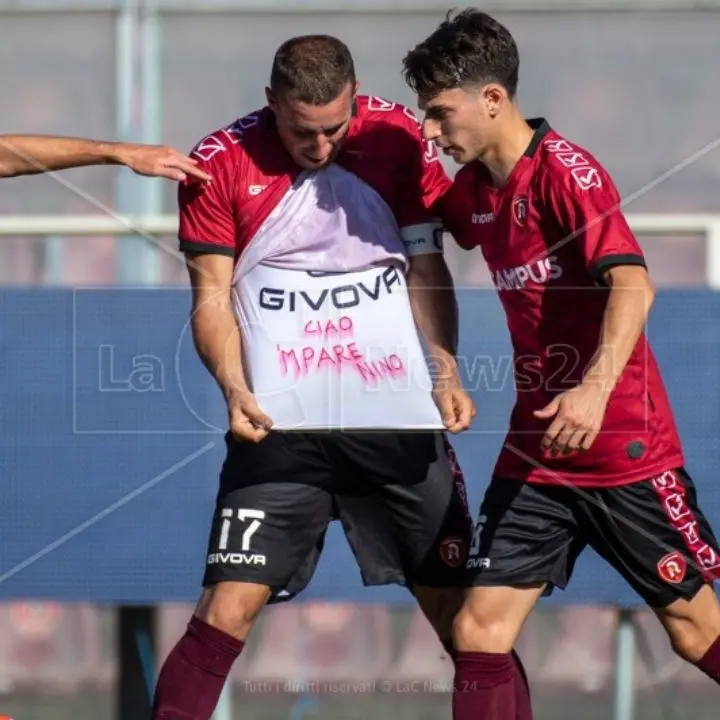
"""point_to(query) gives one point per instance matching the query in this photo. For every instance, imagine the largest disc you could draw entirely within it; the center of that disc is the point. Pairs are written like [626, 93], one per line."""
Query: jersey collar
[541, 128]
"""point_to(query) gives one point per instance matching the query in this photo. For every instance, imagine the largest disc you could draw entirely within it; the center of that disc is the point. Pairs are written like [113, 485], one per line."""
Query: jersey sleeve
[425, 182]
[588, 207]
[207, 217]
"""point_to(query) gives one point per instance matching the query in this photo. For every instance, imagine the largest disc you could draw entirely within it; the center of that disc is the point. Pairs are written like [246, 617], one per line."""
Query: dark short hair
[314, 69]
[468, 48]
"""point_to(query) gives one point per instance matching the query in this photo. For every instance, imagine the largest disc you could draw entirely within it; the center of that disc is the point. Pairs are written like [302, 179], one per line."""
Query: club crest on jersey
[520, 210]
[672, 568]
[453, 551]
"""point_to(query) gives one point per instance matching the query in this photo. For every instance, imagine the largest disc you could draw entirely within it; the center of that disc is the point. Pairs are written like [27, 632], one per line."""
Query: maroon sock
[194, 673]
[523, 706]
[710, 661]
[484, 686]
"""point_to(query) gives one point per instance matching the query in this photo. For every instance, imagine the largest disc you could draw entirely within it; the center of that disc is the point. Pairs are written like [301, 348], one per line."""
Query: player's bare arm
[35, 154]
[578, 413]
[435, 311]
[629, 301]
[218, 342]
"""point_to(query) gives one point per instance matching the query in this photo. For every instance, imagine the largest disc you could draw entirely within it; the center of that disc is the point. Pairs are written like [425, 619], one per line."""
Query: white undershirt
[334, 351]
[328, 337]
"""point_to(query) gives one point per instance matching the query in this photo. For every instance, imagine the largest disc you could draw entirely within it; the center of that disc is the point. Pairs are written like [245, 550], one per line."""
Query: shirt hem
[207, 248]
[596, 480]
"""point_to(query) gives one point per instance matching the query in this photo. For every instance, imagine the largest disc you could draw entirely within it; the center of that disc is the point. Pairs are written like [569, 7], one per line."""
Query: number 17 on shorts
[234, 546]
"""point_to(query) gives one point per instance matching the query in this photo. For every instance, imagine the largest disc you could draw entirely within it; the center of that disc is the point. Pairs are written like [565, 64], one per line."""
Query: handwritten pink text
[338, 357]
[343, 327]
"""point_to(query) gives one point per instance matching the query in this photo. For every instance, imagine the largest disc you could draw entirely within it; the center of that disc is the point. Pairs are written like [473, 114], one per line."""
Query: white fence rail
[151, 226]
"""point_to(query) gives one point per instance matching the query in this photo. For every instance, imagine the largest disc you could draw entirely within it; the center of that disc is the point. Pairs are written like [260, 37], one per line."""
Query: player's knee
[693, 625]
[475, 630]
[691, 641]
[233, 607]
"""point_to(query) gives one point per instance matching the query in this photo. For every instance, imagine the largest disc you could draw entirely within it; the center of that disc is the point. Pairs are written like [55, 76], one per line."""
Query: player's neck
[510, 145]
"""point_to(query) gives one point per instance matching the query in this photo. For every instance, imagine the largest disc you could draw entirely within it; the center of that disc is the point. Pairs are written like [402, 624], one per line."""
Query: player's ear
[270, 97]
[356, 89]
[494, 97]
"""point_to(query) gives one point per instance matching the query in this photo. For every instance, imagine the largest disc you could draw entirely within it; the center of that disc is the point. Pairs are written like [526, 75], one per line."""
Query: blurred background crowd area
[353, 660]
[634, 83]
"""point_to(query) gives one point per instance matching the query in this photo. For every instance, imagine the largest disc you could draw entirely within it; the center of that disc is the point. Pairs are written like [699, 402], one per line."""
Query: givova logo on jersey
[539, 272]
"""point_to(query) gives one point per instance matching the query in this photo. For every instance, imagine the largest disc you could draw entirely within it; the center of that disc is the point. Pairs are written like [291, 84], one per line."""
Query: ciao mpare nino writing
[331, 344]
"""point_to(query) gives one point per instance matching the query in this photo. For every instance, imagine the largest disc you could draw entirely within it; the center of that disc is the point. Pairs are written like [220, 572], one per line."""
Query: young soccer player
[314, 260]
[592, 456]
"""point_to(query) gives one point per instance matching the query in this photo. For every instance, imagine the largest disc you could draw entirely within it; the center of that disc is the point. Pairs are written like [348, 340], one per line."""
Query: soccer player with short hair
[313, 256]
[592, 456]
[35, 154]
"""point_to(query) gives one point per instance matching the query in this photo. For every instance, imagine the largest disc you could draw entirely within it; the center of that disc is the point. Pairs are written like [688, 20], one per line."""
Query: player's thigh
[410, 523]
[525, 536]
[271, 513]
[439, 582]
[440, 606]
[525, 543]
[656, 536]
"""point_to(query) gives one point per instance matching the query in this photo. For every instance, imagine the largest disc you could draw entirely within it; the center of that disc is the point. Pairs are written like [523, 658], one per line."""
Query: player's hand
[247, 421]
[456, 406]
[577, 418]
[160, 161]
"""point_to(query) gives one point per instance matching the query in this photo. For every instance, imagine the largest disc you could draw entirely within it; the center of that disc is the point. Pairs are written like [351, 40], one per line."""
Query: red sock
[484, 686]
[710, 662]
[523, 706]
[194, 673]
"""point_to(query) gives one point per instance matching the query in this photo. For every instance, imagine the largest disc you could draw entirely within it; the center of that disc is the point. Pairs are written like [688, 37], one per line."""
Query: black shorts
[652, 532]
[400, 497]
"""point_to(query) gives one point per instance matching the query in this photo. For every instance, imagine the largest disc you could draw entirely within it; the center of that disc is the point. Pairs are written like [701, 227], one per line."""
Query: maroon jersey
[547, 236]
[252, 171]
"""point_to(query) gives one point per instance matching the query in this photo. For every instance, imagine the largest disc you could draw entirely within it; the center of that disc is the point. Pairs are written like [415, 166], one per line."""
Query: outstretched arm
[34, 154]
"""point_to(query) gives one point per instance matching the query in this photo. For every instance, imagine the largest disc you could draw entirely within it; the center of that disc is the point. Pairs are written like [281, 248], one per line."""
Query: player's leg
[406, 517]
[657, 537]
[525, 543]
[441, 606]
[440, 592]
[271, 514]
[412, 530]
[438, 581]
[693, 626]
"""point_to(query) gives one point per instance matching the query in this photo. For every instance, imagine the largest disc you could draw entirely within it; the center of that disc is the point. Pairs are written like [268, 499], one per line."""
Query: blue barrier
[110, 435]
